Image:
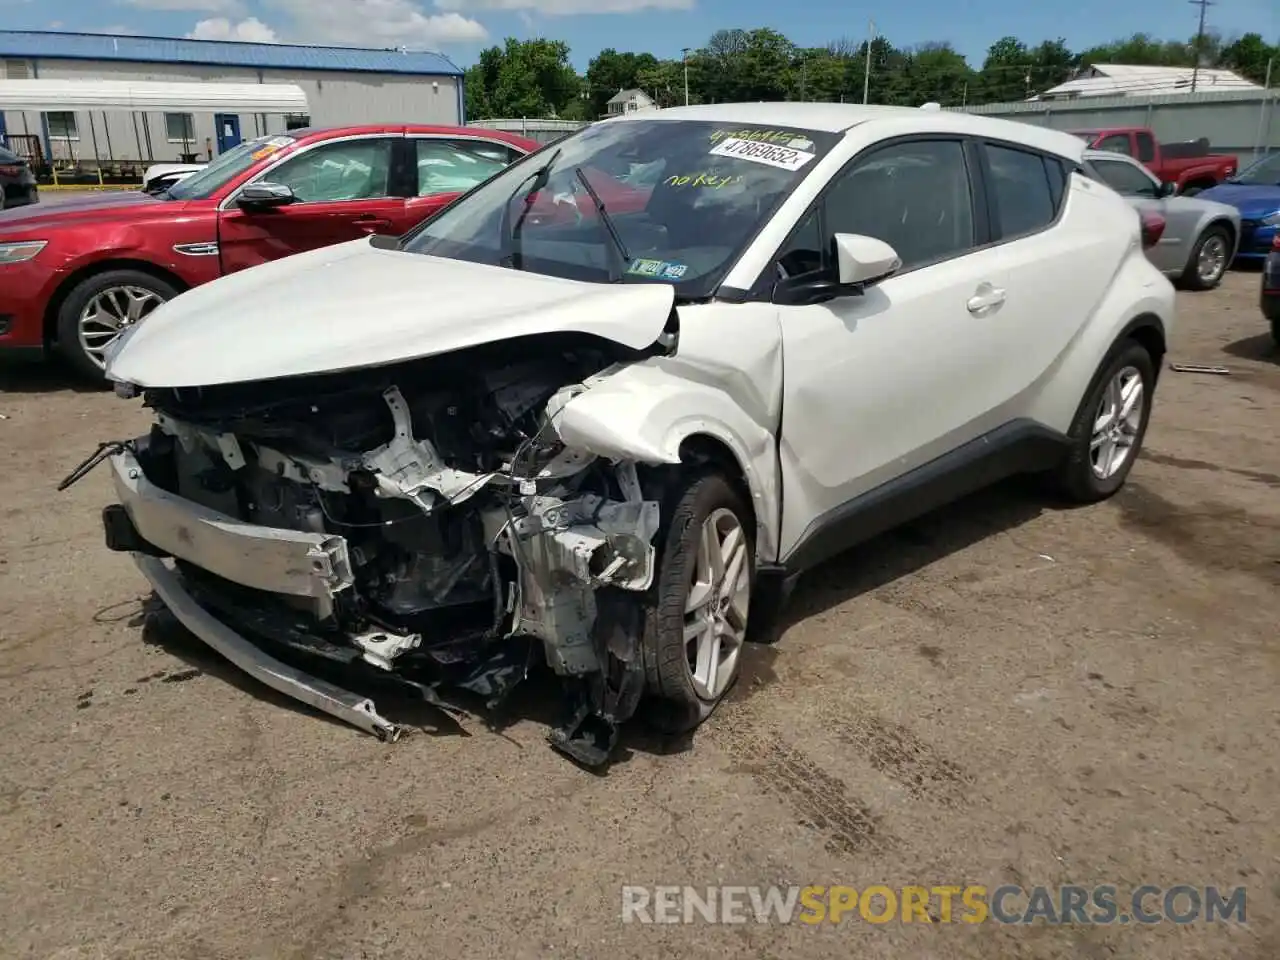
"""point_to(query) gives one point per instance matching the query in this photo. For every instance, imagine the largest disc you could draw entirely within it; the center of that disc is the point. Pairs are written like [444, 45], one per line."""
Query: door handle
[986, 298]
[372, 224]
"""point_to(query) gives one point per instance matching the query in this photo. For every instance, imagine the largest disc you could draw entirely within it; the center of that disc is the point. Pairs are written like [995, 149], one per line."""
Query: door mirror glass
[265, 194]
[1168, 189]
[862, 260]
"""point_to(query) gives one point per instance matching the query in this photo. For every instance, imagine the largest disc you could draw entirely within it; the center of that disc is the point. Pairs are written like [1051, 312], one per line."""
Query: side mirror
[859, 260]
[264, 194]
[1168, 189]
[862, 260]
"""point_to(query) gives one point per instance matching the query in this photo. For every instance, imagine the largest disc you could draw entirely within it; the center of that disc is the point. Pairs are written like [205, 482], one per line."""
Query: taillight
[1152, 228]
[11, 170]
[1275, 242]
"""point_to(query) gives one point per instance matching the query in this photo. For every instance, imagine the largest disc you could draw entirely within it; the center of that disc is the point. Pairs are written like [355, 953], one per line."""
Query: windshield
[653, 200]
[1266, 172]
[228, 166]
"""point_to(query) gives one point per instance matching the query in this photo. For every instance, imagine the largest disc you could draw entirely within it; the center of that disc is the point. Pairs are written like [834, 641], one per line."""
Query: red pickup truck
[1187, 164]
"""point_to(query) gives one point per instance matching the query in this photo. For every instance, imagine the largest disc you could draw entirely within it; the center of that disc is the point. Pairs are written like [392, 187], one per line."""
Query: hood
[354, 305]
[1252, 200]
[51, 211]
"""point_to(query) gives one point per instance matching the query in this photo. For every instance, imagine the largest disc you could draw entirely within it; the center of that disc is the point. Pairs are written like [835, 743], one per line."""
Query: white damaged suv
[604, 422]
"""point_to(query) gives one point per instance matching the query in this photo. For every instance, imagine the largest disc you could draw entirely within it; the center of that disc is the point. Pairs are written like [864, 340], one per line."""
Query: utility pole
[1195, 70]
[866, 76]
[684, 54]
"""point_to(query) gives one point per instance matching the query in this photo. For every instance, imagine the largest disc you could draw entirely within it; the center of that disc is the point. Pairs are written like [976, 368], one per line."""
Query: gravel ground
[1004, 692]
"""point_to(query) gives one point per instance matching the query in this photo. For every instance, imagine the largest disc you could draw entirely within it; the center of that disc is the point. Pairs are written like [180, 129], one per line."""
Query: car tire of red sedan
[99, 309]
[1110, 424]
[1209, 260]
[696, 614]
[1275, 331]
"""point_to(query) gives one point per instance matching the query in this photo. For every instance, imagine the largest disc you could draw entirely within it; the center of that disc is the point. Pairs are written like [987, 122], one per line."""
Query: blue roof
[34, 44]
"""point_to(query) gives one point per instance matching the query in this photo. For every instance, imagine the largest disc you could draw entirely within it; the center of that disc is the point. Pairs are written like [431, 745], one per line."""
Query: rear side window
[1146, 147]
[1116, 143]
[7, 157]
[1025, 189]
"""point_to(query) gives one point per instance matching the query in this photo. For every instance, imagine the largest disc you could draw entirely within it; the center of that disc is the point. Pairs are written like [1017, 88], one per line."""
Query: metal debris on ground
[1198, 368]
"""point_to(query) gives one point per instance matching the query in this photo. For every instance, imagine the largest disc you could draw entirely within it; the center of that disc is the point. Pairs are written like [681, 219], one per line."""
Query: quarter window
[1125, 179]
[1022, 190]
[914, 196]
[348, 170]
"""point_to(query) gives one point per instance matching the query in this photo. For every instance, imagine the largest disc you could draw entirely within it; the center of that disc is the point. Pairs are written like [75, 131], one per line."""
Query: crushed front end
[421, 523]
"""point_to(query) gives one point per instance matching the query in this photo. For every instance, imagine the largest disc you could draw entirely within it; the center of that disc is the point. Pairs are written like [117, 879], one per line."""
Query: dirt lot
[1003, 693]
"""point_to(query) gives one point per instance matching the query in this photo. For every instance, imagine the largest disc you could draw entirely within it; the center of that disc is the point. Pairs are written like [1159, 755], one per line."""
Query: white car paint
[866, 367]
[821, 406]
[314, 327]
[173, 172]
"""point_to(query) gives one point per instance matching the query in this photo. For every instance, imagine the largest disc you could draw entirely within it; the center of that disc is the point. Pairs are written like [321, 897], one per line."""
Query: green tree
[522, 78]
[1249, 56]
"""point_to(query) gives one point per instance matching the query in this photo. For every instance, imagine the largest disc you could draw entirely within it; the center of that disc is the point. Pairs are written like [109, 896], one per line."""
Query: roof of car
[306, 133]
[839, 117]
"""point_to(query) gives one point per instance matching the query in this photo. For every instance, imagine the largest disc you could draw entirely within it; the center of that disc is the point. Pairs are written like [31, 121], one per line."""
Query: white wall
[336, 98]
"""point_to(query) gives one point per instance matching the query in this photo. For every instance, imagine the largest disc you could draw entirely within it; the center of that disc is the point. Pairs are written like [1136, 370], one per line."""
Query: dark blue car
[1255, 192]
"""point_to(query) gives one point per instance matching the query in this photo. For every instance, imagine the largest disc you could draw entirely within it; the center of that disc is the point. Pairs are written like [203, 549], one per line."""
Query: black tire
[1191, 278]
[1074, 478]
[1275, 331]
[81, 294]
[674, 705]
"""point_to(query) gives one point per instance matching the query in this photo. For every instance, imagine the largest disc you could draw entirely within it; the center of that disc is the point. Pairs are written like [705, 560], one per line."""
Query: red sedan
[74, 274]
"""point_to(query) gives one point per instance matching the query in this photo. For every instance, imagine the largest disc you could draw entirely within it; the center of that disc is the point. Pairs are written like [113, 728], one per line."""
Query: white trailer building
[342, 85]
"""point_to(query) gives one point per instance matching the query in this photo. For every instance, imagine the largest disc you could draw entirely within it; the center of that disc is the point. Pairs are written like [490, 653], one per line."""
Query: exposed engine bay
[441, 533]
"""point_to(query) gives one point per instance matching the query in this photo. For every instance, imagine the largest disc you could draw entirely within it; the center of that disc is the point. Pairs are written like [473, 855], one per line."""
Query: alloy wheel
[1212, 260]
[715, 620]
[109, 313]
[1117, 422]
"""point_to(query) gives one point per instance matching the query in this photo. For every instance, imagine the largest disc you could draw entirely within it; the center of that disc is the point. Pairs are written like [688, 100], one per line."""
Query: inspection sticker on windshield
[775, 155]
[658, 269]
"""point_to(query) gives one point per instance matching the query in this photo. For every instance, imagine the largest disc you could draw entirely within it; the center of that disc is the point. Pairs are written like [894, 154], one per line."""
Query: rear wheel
[1209, 259]
[99, 309]
[1109, 426]
[696, 618]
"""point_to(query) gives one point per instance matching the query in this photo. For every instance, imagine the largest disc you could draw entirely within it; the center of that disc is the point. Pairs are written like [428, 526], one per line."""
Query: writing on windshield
[633, 201]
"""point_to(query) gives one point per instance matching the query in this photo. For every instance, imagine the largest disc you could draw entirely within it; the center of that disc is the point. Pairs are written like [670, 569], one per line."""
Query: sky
[461, 28]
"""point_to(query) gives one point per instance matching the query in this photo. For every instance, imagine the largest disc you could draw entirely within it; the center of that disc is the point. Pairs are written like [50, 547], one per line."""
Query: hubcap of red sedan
[109, 314]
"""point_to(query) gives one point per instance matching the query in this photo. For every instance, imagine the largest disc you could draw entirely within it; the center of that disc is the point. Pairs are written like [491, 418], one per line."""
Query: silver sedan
[1200, 236]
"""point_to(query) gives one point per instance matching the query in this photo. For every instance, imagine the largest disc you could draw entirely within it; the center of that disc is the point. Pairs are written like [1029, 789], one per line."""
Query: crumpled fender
[645, 411]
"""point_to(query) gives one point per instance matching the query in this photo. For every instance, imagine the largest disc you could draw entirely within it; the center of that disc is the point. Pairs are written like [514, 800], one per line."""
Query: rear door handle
[986, 298]
[372, 224]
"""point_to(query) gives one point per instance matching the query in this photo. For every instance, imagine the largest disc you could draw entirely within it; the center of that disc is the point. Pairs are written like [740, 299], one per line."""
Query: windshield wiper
[512, 255]
[618, 249]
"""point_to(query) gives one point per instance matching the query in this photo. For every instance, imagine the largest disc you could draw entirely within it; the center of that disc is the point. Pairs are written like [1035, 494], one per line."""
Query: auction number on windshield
[772, 154]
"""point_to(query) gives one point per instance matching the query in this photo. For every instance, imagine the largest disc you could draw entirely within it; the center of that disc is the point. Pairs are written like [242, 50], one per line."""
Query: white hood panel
[353, 305]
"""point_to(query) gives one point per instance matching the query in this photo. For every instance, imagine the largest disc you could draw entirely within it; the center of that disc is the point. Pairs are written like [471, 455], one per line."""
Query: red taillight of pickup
[10, 170]
[1275, 242]
[1152, 228]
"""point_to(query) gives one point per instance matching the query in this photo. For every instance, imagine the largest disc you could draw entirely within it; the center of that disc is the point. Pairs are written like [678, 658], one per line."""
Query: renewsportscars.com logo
[879, 904]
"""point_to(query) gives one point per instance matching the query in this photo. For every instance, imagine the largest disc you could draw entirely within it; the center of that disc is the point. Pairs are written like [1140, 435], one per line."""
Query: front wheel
[1109, 426]
[99, 309]
[696, 617]
[1209, 260]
